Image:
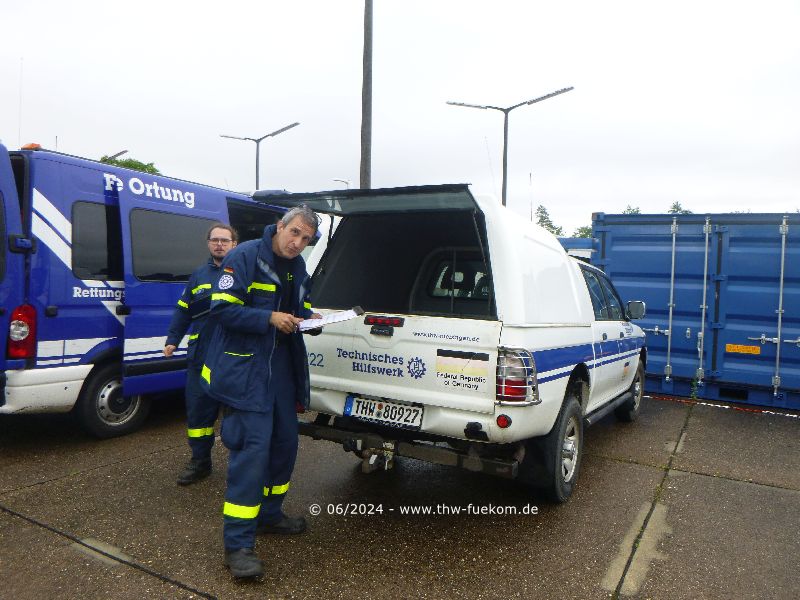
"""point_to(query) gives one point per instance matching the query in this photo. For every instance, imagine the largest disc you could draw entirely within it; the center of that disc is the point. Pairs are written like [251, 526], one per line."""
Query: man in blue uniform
[192, 311]
[257, 366]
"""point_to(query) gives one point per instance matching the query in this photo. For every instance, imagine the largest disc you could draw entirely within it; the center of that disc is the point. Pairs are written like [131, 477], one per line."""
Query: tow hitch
[372, 459]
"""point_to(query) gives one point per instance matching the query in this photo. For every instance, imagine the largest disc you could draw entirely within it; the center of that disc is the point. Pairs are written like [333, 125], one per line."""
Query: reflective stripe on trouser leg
[283, 446]
[246, 434]
[201, 414]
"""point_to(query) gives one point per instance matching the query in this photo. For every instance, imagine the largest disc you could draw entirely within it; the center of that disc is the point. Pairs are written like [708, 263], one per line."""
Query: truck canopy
[437, 250]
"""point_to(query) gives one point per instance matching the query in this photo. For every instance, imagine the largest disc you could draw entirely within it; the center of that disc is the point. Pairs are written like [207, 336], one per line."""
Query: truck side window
[596, 294]
[615, 311]
[96, 242]
[166, 246]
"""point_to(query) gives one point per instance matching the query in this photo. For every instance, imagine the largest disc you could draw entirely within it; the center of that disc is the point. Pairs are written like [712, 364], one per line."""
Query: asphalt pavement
[691, 501]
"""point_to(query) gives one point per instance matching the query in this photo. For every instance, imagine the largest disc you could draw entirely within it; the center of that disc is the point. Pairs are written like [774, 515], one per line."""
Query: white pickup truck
[483, 344]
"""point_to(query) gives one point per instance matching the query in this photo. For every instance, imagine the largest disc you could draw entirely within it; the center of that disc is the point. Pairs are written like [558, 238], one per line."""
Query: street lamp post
[259, 140]
[505, 112]
[346, 182]
[117, 155]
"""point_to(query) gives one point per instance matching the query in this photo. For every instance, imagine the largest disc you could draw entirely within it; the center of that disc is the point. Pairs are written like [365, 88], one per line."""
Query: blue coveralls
[261, 376]
[192, 312]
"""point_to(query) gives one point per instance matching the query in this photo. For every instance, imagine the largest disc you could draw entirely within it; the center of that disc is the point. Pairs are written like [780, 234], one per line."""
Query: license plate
[382, 411]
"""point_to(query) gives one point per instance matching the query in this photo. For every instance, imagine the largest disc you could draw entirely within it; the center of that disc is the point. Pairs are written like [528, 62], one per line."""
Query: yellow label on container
[742, 349]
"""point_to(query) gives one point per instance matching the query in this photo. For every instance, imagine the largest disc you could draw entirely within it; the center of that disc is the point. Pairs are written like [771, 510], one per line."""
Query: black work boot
[286, 526]
[243, 563]
[195, 470]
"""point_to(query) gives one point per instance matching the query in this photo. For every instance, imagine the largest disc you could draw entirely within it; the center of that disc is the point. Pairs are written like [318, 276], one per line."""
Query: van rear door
[164, 226]
[12, 257]
[416, 259]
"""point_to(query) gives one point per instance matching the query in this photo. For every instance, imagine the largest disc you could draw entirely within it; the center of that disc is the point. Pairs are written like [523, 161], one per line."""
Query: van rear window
[166, 246]
[96, 242]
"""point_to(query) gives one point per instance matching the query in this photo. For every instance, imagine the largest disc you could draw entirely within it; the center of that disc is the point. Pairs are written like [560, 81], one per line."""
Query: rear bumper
[359, 441]
[43, 390]
[527, 421]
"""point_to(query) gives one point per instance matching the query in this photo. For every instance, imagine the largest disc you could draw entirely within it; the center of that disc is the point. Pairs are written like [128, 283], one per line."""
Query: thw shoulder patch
[225, 282]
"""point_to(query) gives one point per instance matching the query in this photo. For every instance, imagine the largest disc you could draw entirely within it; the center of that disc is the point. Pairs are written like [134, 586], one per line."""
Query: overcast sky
[695, 101]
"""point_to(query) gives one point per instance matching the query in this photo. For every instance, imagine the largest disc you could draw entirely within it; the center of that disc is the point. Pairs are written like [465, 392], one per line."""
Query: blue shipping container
[723, 300]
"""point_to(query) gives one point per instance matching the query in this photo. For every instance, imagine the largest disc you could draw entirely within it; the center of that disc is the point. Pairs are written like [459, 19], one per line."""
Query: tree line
[585, 231]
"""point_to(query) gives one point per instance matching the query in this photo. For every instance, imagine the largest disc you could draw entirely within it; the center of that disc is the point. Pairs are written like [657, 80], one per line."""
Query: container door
[757, 336]
[12, 256]
[666, 264]
[164, 226]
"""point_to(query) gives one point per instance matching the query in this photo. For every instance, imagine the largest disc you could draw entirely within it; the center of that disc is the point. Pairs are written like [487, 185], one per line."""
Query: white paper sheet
[337, 317]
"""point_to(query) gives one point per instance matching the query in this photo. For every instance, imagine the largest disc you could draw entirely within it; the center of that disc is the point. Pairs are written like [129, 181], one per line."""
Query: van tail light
[516, 376]
[22, 332]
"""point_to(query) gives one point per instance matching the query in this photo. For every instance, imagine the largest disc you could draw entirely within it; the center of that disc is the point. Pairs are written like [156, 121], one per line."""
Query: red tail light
[516, 376]
[22, 332]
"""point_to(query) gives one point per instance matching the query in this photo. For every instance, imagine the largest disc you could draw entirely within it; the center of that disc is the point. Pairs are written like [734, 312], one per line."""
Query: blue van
[92, 261]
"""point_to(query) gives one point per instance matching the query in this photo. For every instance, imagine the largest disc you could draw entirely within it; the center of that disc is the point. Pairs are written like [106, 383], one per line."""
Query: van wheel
[552, 462]
[629, 411]
[103, 411]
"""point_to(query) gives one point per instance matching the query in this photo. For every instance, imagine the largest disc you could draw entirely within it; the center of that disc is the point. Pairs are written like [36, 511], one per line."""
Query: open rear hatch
[416, 260]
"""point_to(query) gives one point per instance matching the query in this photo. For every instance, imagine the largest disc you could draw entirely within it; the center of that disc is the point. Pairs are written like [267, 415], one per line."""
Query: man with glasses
[192, 311]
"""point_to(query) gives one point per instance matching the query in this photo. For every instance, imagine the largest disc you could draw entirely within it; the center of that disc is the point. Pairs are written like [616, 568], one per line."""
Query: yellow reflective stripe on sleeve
[276, 489]
[194, 336]
[235, 354]
[226, 298]
[268, 287]
[205, 373]
[200, 432]
[307, 305]
[240, 512]
[182, 304]
[202, 286]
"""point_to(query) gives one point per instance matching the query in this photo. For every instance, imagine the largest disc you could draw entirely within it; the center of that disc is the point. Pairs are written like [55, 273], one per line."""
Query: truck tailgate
[435, 361]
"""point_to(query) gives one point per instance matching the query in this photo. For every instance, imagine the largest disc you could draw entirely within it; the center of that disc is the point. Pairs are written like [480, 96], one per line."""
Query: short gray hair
[308, 216]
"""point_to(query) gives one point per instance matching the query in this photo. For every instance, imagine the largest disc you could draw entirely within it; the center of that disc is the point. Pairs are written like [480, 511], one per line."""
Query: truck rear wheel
[628, 411]
[103, 411]
[552, 462]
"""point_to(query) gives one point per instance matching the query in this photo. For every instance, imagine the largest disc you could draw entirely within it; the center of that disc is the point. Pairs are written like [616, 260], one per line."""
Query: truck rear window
[409, 263]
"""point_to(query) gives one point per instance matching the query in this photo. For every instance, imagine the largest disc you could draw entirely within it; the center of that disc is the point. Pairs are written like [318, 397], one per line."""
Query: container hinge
[719, 277]
[717, 325]
[720, 228]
